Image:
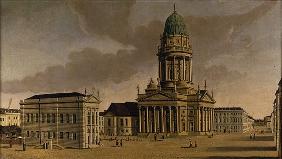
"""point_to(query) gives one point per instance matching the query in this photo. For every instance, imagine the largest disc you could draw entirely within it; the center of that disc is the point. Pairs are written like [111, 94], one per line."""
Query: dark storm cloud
[104, 17]
[211, 37]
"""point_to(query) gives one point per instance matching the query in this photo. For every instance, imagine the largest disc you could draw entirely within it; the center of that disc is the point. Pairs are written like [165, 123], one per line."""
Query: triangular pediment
[93, 99]
[157, 97]
[207, 98]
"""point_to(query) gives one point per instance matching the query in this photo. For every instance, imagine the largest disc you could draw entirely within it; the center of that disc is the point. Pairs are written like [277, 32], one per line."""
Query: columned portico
[173, 105]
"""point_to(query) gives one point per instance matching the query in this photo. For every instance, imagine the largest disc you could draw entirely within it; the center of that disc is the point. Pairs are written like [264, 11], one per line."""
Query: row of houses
[73, 119]
[9, 117]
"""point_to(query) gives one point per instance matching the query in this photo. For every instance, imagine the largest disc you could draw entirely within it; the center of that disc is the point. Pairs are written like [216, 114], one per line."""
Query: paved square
[220, 146]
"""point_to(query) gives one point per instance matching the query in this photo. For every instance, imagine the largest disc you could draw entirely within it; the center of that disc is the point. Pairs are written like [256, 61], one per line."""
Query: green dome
[175, 25]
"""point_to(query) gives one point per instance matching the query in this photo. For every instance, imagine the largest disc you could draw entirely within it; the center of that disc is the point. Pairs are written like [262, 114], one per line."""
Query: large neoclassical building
[173, 105]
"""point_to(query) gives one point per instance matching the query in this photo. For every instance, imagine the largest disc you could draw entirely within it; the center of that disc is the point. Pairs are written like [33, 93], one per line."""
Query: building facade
[232, 120]
[121, 119]
[173, 105]
[277, 111]
[101, 123]
[9, 117]
[69, 119]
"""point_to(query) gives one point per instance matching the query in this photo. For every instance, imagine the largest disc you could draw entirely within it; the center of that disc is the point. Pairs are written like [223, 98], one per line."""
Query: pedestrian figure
[254, 136]
[24, 144]
[163, 136]
[155, 137]
[120, 142]
[10, 142]
[251, 136]
[196, 144]
[116, 142]
[190, 142]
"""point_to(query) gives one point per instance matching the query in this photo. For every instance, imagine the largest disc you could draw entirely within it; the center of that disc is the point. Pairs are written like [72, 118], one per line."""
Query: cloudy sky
[64, 46]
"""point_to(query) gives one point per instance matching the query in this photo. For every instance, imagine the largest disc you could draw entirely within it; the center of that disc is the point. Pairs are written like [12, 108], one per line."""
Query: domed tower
[175, 54]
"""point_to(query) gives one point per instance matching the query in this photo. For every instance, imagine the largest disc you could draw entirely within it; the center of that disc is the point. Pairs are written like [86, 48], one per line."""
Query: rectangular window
[121, 122]
[68, 118]
[31, 118]
[74, 136]
[28, 119]
[48, 118]
[88, 119]
[43, 118]
[93, 118]
[97, 115]
[109, 122]
[53, 118]
[68, 135]
[126, 122]
[61, 118]
[37, 134]
[74, 118]
[36, 117]
[61, 135]
[49, 134]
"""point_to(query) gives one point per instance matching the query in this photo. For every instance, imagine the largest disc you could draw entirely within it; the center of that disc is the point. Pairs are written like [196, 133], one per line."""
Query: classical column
[190, 68]
[177, 119]
[170, 118]
[174, 76]
[202, 119]
[91, 128]
[147, 119]
[213, 119]
[155, 121]
[184, 69]
[205, 119]
[162, 121]
[187, 120]
[143, 124]
[210, 119]
[166, 71]
[197, 121]
[158, 120]
[140, 119]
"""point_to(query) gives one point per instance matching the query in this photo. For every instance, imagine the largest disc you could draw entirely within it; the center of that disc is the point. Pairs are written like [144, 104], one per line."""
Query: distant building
[232, 120]
[69, 119]
[267, 121]
[9, 117]
[101, 123]
[121, 119]
[259, 122]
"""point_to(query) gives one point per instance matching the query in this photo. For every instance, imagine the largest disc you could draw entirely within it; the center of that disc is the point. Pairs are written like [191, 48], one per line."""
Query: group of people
[119, 143]
[190, 145]
[253, 136]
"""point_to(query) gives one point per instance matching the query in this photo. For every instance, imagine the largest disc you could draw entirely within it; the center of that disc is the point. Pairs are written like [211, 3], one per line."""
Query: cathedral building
[173, 105]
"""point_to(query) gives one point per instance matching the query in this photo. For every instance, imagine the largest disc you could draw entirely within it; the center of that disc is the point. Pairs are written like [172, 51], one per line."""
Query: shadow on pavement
[222, 149]
[259, 138]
